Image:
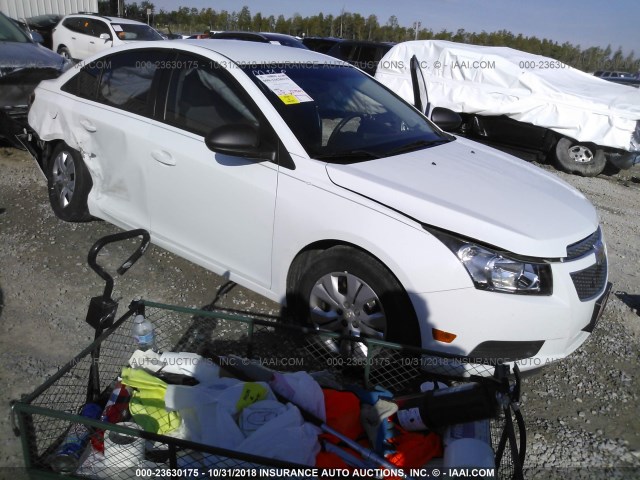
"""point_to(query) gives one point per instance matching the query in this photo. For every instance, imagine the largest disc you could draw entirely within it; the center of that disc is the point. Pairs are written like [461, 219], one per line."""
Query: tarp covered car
[508, 96]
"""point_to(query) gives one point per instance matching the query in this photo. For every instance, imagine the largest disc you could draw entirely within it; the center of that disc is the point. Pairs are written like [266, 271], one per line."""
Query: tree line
[358, 27]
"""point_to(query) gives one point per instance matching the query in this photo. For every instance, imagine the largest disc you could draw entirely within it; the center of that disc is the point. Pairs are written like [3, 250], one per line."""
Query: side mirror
[105, 36]
[36, 37]
[239, 141]
[446, 119]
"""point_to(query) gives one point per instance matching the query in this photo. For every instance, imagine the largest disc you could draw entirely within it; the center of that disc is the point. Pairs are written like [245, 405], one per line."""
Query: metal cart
[44, 417]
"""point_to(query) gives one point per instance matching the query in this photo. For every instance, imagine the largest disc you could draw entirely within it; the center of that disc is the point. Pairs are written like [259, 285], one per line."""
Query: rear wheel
[580, 158]
[69, 184]
[346, 291]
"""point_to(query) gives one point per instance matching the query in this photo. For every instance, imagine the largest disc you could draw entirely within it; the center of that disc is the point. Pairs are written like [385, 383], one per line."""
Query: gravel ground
[582, 414]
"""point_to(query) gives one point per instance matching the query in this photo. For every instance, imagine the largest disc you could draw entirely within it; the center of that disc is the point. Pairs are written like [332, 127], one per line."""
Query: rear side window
[85, 83]
[127, 79]
[74, 24]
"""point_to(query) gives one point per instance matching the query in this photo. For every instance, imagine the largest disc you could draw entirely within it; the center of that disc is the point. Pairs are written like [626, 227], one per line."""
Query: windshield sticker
[286, 89]
[117, 28]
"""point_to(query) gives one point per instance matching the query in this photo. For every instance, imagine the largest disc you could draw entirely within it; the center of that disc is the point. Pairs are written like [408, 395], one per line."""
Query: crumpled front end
[16, 86]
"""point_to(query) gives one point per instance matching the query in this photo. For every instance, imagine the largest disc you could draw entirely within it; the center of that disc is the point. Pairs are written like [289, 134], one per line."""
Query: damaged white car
[525, 101]
[304, 179]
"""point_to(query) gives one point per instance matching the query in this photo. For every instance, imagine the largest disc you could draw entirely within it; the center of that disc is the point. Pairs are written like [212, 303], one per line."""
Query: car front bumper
[496, 328]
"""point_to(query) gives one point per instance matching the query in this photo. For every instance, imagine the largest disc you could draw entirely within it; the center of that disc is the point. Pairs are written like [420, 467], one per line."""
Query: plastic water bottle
[67, 458]
[143, 333]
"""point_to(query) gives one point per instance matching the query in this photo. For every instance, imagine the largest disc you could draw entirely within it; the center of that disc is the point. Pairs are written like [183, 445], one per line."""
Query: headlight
[498, 271]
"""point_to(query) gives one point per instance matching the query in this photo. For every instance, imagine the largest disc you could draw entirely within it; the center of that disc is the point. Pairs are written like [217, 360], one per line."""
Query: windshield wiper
[348, 155]
[417, 145]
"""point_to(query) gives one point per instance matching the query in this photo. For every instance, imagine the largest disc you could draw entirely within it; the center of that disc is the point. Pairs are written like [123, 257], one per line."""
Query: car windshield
[134, 31]
[340, 114]
[10, 32]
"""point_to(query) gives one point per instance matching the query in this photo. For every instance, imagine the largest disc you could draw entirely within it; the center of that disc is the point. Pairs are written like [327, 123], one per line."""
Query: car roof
[238, 35]
[103, 17]
[239, 51]
[264, 37]
[278, 35]
[367, 42]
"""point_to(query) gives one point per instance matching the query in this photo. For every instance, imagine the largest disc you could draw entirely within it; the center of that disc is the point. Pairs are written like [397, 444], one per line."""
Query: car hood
[22, 67]
[17, 56]
[477, 192]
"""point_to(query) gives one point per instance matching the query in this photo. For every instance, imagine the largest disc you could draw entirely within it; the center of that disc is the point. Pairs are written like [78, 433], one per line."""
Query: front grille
[590, 281]
[584, 246]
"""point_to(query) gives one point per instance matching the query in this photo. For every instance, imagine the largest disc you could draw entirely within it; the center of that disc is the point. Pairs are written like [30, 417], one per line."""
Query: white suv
[80, 36]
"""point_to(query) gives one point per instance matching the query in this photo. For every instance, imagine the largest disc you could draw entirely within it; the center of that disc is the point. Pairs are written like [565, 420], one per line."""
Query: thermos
[442, 407]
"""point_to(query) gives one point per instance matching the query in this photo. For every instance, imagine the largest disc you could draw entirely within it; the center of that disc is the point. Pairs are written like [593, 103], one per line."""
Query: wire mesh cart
[47, 417]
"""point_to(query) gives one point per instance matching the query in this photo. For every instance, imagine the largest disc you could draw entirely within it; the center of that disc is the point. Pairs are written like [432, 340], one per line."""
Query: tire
[349, 292]
[64, 51]
[579, 158]
[69, 184]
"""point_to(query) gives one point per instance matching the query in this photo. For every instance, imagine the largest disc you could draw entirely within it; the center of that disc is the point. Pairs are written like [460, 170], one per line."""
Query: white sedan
[300, 177]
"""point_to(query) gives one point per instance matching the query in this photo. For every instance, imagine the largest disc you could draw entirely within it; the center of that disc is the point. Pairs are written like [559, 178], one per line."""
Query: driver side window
[97, 28]
[202, 98]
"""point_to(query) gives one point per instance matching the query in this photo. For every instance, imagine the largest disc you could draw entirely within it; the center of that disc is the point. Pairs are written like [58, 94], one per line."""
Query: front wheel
[69, 184]
[346, 291]
[64, 51]
[579, 158]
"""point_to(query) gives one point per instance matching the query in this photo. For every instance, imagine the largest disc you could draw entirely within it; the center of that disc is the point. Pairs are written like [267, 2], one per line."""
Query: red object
[116, 410]
[414, 449]
[343, 414]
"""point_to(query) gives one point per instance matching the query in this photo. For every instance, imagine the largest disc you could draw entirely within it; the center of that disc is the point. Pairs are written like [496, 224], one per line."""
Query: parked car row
[311, 183]
[624, 78]
[79, 36]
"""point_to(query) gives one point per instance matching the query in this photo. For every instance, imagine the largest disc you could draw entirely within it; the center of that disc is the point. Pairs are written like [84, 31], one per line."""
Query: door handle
[88, 126]
[163, 157]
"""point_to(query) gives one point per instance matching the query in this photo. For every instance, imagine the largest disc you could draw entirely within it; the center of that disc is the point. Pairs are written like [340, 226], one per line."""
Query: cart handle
[117, 237]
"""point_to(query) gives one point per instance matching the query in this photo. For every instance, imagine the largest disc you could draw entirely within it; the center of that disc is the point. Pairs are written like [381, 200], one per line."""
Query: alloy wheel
[343, 303]
[64, 177]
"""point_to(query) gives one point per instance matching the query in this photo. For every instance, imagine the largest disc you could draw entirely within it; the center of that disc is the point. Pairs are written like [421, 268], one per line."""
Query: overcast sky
[584, 22]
